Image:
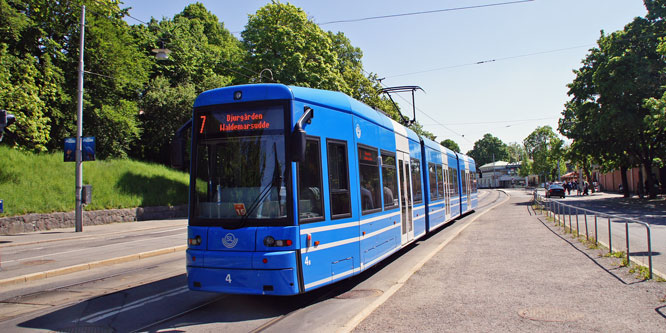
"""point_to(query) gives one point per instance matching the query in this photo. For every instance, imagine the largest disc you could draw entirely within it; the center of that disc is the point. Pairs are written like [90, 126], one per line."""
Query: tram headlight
[196, 241]
[269, 241]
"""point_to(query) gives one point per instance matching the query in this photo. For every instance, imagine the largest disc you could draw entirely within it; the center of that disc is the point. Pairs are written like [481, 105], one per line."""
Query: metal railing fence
[560, 212]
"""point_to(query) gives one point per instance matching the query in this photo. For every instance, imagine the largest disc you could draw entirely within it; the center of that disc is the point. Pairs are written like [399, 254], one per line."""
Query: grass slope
[43, 183]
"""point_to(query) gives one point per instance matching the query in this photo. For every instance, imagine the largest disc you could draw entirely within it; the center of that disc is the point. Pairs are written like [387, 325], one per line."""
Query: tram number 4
[228, 278]
[308, 262]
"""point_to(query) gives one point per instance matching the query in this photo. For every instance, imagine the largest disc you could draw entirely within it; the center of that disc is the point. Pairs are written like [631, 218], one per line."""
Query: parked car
[556, 190]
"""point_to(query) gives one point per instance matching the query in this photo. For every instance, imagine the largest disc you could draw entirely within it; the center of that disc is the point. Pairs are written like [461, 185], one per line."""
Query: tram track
[84, 288]
[498, 196]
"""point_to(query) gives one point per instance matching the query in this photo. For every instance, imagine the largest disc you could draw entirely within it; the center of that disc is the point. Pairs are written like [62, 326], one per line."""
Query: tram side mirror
[177, 152]
[298, 145]
[298, 136]
[178, 146]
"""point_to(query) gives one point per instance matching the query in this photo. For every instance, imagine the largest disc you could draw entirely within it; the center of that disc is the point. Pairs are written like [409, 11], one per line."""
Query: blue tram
[294, 188]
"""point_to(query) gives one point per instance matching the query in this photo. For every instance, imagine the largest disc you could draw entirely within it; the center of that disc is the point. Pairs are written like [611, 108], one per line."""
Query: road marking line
[87, 249]
[84, 237]
[87, 266]
[132, 305]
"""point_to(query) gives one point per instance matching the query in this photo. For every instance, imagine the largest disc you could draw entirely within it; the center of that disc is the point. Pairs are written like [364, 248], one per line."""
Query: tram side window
[368, 170]
[310, 207]
[464, 182]
[338, 179]
[416, 180]
[389, 181]
[456, 190]
[433, 180]
[440, 181]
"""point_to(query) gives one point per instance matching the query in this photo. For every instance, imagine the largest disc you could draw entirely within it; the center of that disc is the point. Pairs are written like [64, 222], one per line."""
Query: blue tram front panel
[239, 261]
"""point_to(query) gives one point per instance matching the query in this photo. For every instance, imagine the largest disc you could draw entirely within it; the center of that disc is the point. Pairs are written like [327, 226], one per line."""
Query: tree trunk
[662, 177]
[639, 188]
[588, 175]
[651, 190]
[625, 181]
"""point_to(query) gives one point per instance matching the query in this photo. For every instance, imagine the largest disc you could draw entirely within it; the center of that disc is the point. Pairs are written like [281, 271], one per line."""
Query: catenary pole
[79, 131]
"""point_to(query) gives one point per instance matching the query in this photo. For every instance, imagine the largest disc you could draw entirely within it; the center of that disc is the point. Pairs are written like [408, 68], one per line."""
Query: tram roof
[330, 99]
[436, 146]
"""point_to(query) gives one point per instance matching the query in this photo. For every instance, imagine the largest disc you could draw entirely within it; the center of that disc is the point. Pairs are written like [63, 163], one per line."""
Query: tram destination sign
[233, 121]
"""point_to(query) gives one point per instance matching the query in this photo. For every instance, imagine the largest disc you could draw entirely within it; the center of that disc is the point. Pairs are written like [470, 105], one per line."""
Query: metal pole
[79, 130]
[570, 226]
[577, 225]
[626, 230]
[610, 237]
[649, 250]
[596, 235]
[587, 234]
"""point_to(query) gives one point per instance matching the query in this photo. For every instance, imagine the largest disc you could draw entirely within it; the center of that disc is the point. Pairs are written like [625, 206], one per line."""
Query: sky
[492, 68]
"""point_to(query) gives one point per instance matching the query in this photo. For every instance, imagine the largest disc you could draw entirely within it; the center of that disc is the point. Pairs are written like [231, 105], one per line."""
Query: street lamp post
[79, 131]
[161, 54]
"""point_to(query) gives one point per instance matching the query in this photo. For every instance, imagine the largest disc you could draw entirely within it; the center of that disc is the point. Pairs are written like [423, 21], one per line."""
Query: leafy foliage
[489, 149]
[448, 143]
[546, 151]
[615, 97]
[134, 103]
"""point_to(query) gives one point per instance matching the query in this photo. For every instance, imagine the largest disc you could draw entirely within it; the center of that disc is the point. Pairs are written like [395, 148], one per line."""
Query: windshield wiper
[276, 181]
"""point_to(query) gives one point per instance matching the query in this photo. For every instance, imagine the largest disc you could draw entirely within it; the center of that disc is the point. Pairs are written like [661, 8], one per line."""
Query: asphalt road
[151, 294]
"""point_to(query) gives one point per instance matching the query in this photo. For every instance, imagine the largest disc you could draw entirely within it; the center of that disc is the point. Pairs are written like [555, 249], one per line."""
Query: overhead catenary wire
[424, 12]
[489, 61]
[424, 113]
[515, 121]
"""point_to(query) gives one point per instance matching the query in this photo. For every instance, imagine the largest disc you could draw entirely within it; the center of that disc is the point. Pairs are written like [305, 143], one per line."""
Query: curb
[81, 236]
[88, 266]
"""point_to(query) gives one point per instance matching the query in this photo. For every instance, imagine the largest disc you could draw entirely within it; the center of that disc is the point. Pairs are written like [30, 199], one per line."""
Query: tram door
[468, 175]
[447, 191]
[407, 206]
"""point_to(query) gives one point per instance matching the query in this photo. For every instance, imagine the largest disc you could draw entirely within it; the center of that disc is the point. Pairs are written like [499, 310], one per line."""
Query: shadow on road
[576, 245]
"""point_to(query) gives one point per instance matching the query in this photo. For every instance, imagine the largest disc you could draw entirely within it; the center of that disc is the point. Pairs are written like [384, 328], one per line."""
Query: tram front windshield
[240, 168]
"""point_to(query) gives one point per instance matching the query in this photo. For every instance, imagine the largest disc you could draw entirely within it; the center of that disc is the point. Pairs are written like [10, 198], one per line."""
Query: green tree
[516, 152]
[165, 109]
[21, 93]
[448, 143]
[279, 37]
[204, 55]
[545, 150]
[111, 108]
[489, 149]
[44, 37]
[613, 97]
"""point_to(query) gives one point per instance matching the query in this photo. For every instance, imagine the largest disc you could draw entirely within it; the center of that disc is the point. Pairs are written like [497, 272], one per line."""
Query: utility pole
[494, 175]
[79, 131]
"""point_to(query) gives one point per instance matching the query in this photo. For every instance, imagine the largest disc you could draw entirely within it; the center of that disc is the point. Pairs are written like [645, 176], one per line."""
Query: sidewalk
[512, 271]
[39, 255]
